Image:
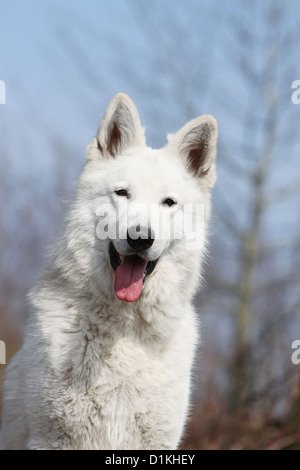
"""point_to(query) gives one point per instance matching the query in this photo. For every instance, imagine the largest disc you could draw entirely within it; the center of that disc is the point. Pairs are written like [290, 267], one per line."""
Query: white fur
[96, 372]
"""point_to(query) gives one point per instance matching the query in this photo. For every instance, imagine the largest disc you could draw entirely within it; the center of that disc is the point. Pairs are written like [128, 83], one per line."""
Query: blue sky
[46, 82]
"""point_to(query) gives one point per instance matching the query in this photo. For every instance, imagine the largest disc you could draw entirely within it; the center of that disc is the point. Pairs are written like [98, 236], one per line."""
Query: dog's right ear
[196, 144]
[119, 129]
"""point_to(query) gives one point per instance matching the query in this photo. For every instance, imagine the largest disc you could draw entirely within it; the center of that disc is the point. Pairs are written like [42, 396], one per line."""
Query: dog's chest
[127, 388]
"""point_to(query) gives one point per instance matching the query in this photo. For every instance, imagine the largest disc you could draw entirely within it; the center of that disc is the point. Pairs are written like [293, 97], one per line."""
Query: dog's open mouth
[131, 272]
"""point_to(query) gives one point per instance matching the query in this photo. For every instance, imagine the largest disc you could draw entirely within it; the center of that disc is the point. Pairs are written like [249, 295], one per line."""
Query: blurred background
[62, 61]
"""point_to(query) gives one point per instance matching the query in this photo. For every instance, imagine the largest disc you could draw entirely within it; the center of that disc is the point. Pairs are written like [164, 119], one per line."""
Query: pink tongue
[129, 278]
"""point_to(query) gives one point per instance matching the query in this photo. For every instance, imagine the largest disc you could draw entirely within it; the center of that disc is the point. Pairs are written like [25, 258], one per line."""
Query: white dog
[106, 360]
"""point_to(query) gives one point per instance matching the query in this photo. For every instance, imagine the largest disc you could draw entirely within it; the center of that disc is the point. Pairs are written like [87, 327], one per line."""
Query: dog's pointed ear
[196, 143]
[120, 127]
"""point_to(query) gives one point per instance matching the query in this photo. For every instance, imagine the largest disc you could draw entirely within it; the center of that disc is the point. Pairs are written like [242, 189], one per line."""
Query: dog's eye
[121, 192]
[169, 202]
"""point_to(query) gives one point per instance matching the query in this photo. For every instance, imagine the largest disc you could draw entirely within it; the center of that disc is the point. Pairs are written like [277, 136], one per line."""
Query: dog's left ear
[196, 143]
[120, 127]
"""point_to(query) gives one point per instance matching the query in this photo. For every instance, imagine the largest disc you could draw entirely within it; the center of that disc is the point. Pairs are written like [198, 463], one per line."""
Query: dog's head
[150, 206]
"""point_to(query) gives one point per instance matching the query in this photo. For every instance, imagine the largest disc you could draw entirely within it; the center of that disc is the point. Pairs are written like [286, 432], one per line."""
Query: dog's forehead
[151, 164]
[151, 173]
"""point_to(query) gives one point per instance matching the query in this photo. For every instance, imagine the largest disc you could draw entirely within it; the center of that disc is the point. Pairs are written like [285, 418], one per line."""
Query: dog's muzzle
[131, 270]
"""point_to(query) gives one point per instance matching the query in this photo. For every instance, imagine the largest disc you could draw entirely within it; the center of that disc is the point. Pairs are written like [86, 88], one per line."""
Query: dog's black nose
[141, 238]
